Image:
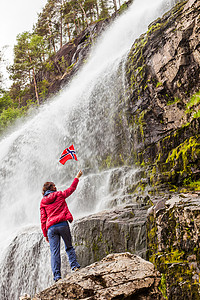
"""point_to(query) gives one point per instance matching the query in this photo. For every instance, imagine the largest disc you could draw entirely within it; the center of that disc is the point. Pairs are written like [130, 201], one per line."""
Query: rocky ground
[117, 276]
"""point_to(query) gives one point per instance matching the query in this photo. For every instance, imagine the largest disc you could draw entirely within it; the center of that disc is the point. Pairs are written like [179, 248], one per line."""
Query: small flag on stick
[68, 153]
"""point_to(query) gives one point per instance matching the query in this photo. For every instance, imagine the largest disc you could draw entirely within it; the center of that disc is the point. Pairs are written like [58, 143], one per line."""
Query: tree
[1, 73]
[115, 5]
[29, 57]
[89, 6]
[50, 24]
[68, 18]
[5, 101]
[104, 9]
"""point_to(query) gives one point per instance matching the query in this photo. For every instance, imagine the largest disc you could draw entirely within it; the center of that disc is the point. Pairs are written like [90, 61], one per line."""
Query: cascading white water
[83, 115]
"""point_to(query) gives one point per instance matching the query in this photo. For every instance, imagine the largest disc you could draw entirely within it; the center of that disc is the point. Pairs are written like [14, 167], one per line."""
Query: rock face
[117, 230]
[163, 98]
[117, 276]
[174, 245]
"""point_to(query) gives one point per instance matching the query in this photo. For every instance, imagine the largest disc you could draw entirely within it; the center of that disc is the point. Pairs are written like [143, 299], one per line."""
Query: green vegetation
[35, 66]
[193, 106]
[195, 99]
[173, 101]
[185, 151]
[163, 286]
[159, 84]
[10, 111]
[154, 27]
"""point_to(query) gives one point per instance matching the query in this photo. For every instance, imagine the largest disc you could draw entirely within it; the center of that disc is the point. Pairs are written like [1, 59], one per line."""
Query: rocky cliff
[162, 103]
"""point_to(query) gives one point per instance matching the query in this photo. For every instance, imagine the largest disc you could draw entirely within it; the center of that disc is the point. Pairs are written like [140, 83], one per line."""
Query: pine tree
[1, 72]
[115, 5]
[104, 9]
[29, 57]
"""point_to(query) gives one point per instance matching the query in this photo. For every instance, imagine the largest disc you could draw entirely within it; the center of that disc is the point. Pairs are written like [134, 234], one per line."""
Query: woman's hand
[79, 174]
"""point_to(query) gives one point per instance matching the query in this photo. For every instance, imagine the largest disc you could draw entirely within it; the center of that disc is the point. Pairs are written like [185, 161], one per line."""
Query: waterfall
[83, 114]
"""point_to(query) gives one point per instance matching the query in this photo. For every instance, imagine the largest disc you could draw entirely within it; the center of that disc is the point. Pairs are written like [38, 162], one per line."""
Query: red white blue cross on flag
[68, 153]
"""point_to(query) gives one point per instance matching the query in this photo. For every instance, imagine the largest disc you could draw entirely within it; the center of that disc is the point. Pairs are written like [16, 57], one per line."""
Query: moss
[136, 66]
[154, 27]
[175, 256]
[173, 101]
[192, 185]
[152, 233]
[194, 100]
[95, 250]
[185, 154]
[159, 84]
[163, 286]
[141, 123]
[192, 107]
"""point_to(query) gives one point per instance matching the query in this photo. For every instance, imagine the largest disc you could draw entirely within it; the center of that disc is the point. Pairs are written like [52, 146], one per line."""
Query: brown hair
[48, 186]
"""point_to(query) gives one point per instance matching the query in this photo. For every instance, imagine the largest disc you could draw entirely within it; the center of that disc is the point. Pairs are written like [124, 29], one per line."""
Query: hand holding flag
[80, 173]
[68, 153]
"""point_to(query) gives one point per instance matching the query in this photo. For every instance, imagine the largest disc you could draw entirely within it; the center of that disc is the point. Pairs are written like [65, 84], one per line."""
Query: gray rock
[117, 276]
[173, 245]
[116, 230]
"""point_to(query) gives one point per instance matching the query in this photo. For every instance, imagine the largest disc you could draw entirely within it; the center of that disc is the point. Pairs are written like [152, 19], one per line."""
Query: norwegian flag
[68, 153]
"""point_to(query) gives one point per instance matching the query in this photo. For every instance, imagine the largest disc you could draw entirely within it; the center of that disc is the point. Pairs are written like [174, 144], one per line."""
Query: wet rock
[117, 276]
[117, 230]
[174, 245]
[26, 266]
[163, 78]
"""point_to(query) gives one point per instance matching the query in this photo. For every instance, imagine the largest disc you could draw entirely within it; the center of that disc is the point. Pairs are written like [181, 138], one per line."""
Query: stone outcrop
[117, 276]
[163, 98]
[174, 244]
[117, 230]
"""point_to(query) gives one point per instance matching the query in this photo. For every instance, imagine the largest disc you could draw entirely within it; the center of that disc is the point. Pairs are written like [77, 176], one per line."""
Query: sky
[16, 16]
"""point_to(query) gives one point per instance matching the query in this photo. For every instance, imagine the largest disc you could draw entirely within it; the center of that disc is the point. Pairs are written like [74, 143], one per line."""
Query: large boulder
[117, 276]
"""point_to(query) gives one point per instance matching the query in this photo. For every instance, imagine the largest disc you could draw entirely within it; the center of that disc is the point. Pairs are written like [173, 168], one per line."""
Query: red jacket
[54, 209]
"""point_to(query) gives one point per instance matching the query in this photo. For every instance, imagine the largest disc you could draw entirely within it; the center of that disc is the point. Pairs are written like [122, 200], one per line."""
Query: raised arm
[73, 186]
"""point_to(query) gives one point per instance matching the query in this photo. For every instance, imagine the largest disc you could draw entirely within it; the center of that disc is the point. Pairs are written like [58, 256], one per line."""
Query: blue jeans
[54, 233]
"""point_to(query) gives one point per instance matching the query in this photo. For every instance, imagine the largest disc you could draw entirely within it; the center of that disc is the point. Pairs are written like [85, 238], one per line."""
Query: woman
[55, 215]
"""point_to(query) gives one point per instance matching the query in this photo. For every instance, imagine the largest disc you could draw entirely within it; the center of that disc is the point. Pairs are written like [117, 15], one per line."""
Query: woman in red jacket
[54, 215]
